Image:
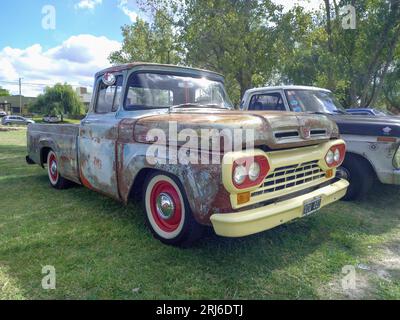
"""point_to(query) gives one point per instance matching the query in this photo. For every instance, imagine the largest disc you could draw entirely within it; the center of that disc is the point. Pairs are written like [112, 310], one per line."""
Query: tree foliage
[4, 92]
[58, 100]
[255, 42]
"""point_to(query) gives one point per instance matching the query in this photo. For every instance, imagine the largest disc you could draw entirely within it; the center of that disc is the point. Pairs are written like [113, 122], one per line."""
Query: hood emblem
[305, 132]
[387, 130]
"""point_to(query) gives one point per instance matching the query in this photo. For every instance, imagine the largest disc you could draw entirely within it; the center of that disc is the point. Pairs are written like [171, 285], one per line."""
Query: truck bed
[62, 138]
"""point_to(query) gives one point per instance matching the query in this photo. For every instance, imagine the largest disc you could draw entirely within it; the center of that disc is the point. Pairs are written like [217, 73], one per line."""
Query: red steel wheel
[56, 180]
[52, 168]
[167, 211]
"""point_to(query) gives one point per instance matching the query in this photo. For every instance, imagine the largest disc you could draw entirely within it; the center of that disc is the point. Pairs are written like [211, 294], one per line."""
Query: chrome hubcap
[53, 168]
[165, 206]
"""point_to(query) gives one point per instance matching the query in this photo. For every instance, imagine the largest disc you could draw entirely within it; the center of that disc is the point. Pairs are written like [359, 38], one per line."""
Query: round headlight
[254, 171]
[239, 175]
[336, 156]
[329, 157]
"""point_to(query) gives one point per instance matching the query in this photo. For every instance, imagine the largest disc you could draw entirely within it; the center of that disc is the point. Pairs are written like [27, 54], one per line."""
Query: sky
[49, 41]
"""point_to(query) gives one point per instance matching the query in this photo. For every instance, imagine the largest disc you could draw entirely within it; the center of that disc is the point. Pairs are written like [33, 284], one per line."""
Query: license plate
[312, 206]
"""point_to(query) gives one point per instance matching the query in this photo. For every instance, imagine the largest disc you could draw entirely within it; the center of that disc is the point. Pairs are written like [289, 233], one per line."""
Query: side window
[268, 101]
[108, 97]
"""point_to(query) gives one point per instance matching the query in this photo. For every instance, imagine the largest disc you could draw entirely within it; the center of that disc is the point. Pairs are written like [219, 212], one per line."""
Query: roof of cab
[289, 87]
[128, 66]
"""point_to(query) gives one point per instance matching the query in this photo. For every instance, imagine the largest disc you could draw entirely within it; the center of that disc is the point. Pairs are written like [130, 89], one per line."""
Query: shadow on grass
[252, 267]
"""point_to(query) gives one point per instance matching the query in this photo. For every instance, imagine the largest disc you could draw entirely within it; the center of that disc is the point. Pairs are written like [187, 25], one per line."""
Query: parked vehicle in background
[366, 112]
[373, 143]
[240, 192]
[3, 114]
[16, 120]
[51, 119]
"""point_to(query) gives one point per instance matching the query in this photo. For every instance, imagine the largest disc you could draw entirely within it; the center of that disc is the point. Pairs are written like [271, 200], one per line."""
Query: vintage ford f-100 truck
[373, 142]
[143, 115]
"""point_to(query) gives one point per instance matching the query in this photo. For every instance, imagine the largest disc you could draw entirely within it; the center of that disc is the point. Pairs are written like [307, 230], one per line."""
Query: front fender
[202, 183]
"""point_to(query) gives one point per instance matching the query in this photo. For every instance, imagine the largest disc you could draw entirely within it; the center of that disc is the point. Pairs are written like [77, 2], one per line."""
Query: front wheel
[360, 176]
[168, 213]
[56, 180]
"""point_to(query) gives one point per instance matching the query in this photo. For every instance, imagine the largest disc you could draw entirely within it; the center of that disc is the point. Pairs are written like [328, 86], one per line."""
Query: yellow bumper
[252, 221]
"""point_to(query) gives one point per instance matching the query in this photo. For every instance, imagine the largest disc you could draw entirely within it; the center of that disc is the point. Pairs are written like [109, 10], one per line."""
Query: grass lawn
[102, 249]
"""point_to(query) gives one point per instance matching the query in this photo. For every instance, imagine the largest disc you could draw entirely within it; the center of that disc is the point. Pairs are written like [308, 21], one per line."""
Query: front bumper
[252, 221]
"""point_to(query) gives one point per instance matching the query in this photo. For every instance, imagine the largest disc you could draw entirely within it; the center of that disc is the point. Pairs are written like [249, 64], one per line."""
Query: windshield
[313, 101]
[154, 91]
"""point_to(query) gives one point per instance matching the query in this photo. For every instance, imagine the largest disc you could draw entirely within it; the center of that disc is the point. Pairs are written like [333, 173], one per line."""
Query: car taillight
[335, 155]
[249, 172]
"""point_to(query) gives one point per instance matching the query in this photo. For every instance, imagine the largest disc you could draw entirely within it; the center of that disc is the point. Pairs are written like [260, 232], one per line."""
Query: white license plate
[312, 206]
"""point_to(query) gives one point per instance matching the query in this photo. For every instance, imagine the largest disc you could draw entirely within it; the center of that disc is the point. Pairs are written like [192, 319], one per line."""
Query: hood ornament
[305, 132]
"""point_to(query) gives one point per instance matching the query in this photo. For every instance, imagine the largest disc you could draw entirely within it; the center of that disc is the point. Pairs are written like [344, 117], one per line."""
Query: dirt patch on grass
[382, 267]
[7, 129]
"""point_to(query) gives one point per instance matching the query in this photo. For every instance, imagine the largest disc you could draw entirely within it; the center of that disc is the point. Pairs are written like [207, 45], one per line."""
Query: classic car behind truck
[242, 191]
[373, 143]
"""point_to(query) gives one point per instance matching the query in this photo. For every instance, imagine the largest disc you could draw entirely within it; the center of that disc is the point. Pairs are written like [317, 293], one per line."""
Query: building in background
[11, 104]
[85, 96]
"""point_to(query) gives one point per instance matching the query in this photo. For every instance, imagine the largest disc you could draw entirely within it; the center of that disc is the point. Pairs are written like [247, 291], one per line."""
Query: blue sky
[85, 33]
[21, 20]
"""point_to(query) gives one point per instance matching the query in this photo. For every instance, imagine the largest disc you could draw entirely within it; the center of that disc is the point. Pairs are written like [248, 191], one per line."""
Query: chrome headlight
[239, 175]
[396, 159]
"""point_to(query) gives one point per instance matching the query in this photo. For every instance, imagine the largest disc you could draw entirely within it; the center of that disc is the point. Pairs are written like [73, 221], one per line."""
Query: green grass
[102, 249]
[66, 121]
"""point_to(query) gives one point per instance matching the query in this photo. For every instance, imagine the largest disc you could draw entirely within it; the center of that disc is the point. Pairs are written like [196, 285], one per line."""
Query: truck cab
[373, 143]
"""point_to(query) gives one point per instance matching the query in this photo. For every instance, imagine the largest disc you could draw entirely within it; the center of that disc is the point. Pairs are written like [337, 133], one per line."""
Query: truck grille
[291, 178]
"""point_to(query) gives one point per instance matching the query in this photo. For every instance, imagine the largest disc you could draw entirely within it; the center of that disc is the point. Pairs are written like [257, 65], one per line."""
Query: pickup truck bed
[62, 139]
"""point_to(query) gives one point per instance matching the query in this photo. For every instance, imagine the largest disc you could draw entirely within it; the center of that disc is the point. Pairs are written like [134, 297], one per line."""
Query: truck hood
[368, 126]
[274, 130]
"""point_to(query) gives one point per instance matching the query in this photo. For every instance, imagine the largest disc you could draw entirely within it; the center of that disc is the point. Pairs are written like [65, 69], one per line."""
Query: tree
[148, 42]
[353, 63]
[4, 92]
[58, 100]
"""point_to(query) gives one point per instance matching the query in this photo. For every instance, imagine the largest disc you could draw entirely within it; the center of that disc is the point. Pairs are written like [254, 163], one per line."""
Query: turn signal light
[243, 198]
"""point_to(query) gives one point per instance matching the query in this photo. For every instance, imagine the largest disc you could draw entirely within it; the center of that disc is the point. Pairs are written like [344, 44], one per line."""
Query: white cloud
[74, 61]
[124, 6]
[87, 4]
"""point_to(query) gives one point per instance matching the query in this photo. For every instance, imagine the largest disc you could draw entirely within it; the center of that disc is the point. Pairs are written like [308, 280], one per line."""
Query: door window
[108, 97]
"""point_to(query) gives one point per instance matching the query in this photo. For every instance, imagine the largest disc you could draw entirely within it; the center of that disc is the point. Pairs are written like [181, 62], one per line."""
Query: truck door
[98, 135]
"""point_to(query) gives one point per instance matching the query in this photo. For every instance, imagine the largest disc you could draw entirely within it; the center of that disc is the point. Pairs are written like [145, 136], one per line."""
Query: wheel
[360, 176]
[56, 180]
[168, 214]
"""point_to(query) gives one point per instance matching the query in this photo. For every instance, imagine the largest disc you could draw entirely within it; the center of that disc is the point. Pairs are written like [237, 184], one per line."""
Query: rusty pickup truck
[169, 136]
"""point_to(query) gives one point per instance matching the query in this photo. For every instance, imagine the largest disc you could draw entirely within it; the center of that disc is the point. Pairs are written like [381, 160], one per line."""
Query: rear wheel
[360, 176]
[56, 180]
[168, 213]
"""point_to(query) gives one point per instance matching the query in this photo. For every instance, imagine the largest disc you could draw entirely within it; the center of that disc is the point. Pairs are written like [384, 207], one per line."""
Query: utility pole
[20, 95]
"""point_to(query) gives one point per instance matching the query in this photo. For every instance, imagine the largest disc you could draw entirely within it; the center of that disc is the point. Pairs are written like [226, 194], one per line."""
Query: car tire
[174, 224]
[360, 176]
[56, 180]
